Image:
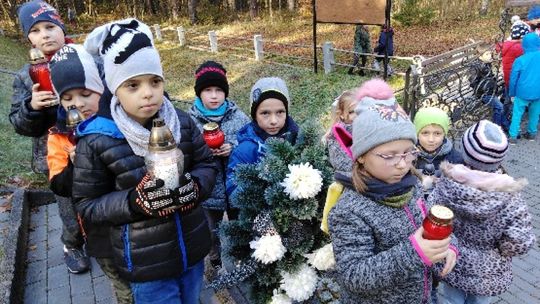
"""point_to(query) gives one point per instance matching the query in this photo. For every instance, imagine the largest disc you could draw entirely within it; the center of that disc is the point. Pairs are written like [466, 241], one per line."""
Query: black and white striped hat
[73, 68]
[519, 30]
[484, 146]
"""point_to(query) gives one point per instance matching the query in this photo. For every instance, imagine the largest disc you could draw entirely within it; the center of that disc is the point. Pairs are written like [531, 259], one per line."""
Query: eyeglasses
[393, 160]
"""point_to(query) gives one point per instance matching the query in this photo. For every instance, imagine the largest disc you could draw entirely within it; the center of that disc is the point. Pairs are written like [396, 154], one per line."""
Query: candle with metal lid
[438, 223]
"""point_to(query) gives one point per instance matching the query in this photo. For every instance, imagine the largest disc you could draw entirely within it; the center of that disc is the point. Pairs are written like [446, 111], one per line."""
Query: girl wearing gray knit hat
[376, 226]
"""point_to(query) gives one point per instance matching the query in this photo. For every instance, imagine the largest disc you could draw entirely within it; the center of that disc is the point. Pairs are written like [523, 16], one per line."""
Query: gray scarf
[137, 135]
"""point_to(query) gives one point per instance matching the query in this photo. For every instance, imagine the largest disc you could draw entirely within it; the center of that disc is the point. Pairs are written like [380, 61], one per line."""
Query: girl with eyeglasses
[376, 226]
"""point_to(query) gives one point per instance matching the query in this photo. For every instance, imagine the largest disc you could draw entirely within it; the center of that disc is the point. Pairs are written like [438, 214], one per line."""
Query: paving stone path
[48, 281]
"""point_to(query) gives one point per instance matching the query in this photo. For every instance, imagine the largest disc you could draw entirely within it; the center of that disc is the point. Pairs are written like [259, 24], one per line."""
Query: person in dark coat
[158, 236]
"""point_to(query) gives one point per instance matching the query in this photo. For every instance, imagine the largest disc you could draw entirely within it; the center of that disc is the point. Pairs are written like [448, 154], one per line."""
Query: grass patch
[16, 152]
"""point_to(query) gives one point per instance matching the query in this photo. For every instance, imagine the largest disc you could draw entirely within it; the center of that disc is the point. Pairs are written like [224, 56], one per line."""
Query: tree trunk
[291, 5]
[485, 7]
[192, 11]
[173, 7]
[253, 9]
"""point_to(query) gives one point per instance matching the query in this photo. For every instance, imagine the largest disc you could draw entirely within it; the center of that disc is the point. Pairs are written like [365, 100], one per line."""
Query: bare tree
[173, 7]
[291, 5]
[253, 8]
[192, 11]
[485, 7]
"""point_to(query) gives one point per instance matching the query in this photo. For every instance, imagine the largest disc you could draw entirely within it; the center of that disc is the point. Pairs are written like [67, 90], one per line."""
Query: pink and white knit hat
[484, 146]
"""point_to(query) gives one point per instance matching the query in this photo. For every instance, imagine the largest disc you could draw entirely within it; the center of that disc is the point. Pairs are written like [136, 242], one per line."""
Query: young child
[386, 41]
[434, 146]
[270, 104]
[491, 220]
[524, 88]
[76, 81]
[362, 44]
[338, 140]
[212, 105]
[159, 236]
[484, 83]
[376, 226]
[32, 111]
[511, 50]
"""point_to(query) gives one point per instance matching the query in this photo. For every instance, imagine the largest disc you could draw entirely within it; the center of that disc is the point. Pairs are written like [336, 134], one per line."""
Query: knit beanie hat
[269, 87]
[379, 122]
[33, 12]
[211, 73]
[127, 49]
[73, 68]
[431, 115]
[519, 30]
[484, 146]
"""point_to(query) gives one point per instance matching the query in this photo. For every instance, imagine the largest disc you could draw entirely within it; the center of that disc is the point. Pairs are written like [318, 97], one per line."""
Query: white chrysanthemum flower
[268, 248]
[300, 285]
[280, 298]
[302, 182]
[322, 258]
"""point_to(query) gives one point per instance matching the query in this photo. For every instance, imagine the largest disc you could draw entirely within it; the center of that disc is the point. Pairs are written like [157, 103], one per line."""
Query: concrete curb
[15, 243]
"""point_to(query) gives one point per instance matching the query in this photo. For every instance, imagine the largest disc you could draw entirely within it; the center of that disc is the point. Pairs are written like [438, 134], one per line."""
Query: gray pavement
[48, 281]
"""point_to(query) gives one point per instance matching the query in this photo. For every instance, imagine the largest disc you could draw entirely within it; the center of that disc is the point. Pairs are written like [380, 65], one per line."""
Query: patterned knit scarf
[137, 135]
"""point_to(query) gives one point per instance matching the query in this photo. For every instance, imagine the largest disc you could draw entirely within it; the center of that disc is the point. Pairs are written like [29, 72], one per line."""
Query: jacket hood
[531, 43]
[475, 193]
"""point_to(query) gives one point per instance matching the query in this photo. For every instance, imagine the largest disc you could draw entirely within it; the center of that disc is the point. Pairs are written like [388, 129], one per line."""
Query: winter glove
[187, 193]
[150, 197]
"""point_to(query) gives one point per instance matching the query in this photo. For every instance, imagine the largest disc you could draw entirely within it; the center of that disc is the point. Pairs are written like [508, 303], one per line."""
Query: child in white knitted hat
[491, 218]
[376, 226]
[159, 236]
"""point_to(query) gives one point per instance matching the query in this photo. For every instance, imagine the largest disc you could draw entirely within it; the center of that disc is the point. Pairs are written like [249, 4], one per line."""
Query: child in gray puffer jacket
[212, 105]
[491, 220]
[376, 226]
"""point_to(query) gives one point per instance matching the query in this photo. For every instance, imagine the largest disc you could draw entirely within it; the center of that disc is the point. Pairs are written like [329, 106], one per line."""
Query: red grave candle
[39, 71]
[212, 135]
[438, 224]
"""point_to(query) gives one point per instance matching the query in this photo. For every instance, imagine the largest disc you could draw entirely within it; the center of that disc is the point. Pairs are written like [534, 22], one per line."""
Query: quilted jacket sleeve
[517, 237]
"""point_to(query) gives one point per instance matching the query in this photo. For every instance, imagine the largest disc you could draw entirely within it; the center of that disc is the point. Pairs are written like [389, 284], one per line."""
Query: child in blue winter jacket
[270, 103]
[212, 105]
[376, 226]
[524, 87]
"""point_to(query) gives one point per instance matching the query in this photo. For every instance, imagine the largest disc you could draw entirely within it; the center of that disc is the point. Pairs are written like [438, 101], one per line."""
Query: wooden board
[351, 11]
[514, 3]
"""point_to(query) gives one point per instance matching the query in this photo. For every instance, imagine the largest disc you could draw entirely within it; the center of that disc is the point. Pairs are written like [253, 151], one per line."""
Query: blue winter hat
[72, 67]
[33, 12]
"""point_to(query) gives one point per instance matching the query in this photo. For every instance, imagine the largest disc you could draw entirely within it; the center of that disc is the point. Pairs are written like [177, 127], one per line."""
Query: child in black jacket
[159, 251]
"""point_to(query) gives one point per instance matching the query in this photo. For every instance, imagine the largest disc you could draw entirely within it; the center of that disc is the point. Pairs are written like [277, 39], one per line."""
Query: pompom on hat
[33, 12]
[375, 89]
[429, 116]
[484, 146]
[127, 49]
[211, 73]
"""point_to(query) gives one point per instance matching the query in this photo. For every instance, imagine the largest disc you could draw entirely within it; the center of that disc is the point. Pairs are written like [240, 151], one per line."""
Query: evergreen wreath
[277, 233]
